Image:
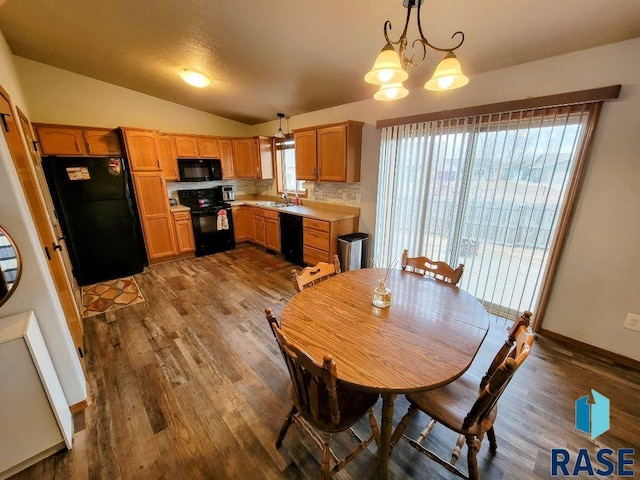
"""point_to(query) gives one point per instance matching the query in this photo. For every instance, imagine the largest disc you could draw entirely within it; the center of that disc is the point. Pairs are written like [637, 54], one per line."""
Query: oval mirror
[10, 266]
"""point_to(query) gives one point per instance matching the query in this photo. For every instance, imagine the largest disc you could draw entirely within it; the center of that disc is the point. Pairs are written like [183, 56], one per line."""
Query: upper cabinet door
[142, 150]
[208, 147]
[187, 146]
[61, 141]
[306, 163]
[332, 154]
[264, 157]
[243, 160]
[226, 158]
[102, 142]
[167, 155]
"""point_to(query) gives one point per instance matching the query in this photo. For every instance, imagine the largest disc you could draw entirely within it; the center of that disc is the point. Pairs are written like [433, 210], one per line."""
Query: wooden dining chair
[320, 402]
[424, 265]
[311, 275]
[466, 408]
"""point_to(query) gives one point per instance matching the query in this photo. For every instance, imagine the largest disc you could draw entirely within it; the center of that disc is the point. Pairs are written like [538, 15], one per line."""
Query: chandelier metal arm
[402, 41]
[426, 42]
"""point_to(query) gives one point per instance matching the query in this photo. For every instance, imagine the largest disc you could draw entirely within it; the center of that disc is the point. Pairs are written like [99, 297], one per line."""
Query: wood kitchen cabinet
[77, 141]
[167, 155]
[155, 216]
[329, 153]
[209, 147]
[242, 223]
[226, 157]
[266, 228]
[142, 150]
[320, 238]
[185, 242]
[244, 158]
[264, 157]
[158, 229]
[191, 146]
[102, 142]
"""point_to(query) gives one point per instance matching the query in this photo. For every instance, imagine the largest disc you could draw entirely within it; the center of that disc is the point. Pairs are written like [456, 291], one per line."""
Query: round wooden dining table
[427, 338]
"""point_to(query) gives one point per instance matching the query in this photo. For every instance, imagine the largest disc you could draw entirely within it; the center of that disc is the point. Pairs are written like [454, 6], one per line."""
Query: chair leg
[374, 427]
[493, 445]
[402, 426]
[326, 455]
[455, 455]
[473, 445]
[285, 426]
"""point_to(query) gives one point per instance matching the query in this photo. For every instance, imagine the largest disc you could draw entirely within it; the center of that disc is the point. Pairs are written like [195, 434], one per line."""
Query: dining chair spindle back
[424, 265]
[311, 275]
[467, 409]
[320, 402]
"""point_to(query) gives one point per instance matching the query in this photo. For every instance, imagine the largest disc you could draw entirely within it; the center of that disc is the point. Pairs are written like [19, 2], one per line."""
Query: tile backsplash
[326, 192]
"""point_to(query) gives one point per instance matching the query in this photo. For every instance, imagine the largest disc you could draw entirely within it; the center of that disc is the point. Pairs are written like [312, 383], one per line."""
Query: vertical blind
[486, 191]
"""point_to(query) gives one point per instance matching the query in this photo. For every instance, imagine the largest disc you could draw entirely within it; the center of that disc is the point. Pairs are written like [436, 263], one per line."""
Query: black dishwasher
[291, 238]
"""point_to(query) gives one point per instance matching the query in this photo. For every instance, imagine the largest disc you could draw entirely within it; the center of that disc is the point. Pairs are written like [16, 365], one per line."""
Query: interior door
[48, 240]
[46, 196]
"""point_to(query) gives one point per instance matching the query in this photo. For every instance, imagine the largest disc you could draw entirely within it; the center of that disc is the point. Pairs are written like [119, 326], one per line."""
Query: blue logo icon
[592, 414]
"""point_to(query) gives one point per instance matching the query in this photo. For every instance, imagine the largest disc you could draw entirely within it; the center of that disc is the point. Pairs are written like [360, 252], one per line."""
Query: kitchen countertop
[180, 208]
[319, 213]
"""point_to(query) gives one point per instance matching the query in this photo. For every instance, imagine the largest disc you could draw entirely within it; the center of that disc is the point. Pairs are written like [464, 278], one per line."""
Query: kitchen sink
[274, 204]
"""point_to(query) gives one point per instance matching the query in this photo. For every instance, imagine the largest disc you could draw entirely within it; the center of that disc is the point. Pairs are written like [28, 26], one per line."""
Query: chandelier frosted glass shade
[387, 68]
[448, 75]
[391, 91]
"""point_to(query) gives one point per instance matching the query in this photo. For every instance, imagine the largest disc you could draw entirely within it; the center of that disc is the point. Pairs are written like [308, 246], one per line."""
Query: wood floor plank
[190, 385]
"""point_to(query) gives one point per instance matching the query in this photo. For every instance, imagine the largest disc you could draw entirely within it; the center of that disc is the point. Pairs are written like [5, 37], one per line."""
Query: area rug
[109, 295]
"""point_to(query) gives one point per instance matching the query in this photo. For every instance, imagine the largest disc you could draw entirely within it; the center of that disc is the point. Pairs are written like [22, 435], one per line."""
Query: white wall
[59, 96]
[599, 275]
[35, 290]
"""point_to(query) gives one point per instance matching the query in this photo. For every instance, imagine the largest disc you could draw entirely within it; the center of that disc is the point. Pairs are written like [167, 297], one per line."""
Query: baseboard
[611, 356]
[78, 407]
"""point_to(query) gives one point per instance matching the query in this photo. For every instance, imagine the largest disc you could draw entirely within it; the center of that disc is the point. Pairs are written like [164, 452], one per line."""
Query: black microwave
[199, 169]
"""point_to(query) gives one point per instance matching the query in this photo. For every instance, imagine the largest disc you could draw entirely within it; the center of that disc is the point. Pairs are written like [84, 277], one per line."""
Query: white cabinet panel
[35, 420]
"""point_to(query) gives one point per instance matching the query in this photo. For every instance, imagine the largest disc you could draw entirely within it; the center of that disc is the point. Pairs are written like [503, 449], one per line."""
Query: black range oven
[211, 218]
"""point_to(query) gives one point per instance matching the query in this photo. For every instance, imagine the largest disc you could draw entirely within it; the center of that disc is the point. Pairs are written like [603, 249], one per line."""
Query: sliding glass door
[486, 191]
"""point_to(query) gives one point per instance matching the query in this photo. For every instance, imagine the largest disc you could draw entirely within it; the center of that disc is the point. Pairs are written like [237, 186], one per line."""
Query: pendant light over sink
[280, 133]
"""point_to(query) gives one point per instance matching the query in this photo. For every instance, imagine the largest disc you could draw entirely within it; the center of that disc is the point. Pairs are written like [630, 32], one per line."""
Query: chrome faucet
[285, 197]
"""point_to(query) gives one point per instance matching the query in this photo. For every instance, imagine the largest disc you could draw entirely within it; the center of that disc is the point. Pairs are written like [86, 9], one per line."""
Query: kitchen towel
[223, 221]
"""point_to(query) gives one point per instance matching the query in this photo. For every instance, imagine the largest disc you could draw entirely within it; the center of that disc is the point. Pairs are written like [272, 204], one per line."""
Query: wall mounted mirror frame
[10, 266]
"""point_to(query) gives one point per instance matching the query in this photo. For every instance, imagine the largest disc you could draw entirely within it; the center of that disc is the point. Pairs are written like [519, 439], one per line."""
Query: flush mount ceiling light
[194, 78]
[280, 133]
[390, 68]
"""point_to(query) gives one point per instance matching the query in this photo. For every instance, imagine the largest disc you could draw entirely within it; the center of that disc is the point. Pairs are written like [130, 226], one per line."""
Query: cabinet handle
[158, 160]
[88, 147]
[4, 121]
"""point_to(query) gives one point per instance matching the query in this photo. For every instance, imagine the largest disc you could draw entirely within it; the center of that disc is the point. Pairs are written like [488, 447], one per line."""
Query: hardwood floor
[190, 385]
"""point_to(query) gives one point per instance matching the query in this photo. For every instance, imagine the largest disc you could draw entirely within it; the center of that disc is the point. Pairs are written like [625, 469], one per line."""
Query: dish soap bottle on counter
[298, 202]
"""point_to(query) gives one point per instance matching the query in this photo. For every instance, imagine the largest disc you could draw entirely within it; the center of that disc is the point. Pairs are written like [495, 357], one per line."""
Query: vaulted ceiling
[292, 56]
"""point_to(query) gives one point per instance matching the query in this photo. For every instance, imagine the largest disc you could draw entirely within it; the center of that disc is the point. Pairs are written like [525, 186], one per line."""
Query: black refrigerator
[97, 212]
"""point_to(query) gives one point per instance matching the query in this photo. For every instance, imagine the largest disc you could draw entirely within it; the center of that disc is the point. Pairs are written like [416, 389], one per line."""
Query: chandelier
[390, 68]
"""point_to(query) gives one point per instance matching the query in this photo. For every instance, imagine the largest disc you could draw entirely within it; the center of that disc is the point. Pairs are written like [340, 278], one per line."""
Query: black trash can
[353, 251]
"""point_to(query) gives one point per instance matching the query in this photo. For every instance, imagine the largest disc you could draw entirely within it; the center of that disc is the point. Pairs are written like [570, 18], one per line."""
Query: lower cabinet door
[155, 216]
